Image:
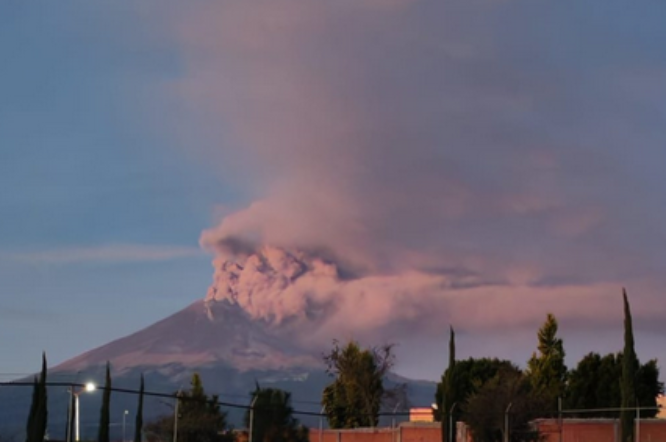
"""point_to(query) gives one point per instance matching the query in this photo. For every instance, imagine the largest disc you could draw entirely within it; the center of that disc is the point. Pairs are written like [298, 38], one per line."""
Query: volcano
[208, 333]
[255, 326]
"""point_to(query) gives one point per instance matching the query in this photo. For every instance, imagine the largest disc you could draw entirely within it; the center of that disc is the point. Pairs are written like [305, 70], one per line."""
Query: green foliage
[648, 387]
[629, 369]
[468, 376]
[273, 420]
[546, 369]
[38, 416]
[595, 384]
[105, 412]
[486, 409]
[355, 396]
[200, 418]
[138, 424]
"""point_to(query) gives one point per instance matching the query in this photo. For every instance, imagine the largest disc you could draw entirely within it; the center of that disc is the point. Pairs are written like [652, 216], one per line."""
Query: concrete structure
[423, 414]
[661, 403]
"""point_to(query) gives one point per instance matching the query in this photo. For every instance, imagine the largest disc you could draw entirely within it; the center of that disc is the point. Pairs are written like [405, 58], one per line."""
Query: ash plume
[412, 162]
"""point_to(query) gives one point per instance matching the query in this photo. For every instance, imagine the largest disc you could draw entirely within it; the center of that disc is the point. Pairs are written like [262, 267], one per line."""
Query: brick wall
[571, 430]
[407, 432]
[599, 430]
[579, 430]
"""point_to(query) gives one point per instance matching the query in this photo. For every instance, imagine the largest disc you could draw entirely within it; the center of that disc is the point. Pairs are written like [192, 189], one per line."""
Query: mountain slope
[205, 333]
[216, 338]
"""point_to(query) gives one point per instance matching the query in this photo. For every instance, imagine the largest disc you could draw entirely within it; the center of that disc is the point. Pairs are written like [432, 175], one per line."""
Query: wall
[571, 430]
[406, 432]
[599, 430]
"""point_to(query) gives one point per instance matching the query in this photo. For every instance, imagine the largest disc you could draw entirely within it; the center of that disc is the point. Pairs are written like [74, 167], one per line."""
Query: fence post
[638, 423]
[559, 415]
[452, 435]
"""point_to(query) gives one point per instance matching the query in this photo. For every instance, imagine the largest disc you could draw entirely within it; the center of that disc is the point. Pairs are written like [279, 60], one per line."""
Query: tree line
[482, 392]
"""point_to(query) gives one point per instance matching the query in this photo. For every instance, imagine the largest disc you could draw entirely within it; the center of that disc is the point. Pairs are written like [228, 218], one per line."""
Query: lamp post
[175, 416]
[249, 431]
[124, 416]
[88, 388]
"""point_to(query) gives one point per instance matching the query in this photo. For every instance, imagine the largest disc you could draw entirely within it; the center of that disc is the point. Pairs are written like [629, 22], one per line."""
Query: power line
[179, 397]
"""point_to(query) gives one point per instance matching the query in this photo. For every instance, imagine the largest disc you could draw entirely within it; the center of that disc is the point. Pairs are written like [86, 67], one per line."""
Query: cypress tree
[32, 416]
[37, 418]
[104, 418]
[138, 424]
[449, 386]
[629, 367]
[41, 418]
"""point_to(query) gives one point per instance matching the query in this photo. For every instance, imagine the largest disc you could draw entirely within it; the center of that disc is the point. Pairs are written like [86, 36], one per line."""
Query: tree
[629, 369]
[583, 383]
[448, 395]
[595, 384]
[38, 416]
[32, 416]
[468, 376]
[200, 418]
[354, 398]
[138, 424]
[272, 418]
[648, 388]
[486, 409]
[105, 412]
[546, 370]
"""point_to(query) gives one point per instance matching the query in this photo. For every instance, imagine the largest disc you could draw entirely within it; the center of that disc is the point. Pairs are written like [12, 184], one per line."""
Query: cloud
[490, 137]
[110, 253]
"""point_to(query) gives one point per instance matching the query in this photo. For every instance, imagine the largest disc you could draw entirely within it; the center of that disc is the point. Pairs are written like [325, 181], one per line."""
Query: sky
[476, 163]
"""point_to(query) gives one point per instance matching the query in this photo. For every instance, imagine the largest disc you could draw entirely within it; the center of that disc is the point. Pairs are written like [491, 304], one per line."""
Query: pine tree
[629, 368]
[546, 369]
[138, 424]
[104, 418]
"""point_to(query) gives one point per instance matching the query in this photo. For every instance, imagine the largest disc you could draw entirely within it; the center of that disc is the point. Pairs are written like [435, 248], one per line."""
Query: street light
[124, 416]
[88, 388]
[254, 400]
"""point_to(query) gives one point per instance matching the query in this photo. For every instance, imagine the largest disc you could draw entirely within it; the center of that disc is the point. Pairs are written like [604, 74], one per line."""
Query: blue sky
[101, 210]
[521, 142]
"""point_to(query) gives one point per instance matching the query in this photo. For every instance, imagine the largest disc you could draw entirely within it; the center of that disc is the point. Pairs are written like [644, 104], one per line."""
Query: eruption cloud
[415, 163]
